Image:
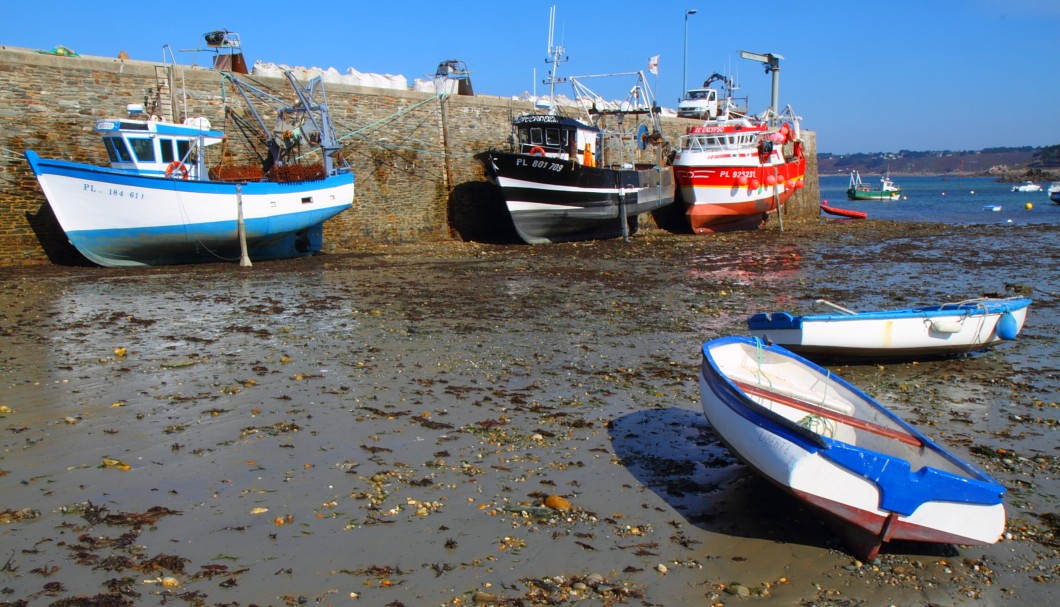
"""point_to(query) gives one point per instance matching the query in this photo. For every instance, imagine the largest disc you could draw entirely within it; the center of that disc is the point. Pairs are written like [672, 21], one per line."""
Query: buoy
[743, 180]
[755, 183]
[825, 201]
[771, 179]
[1007, 328]
[1028, 206]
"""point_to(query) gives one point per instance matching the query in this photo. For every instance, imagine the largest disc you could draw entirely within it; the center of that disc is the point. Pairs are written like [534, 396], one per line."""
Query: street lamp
[684, 74]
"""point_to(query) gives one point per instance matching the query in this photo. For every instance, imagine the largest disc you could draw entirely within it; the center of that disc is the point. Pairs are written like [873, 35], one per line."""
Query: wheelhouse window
[166, 149]
[143, 149]
[116, 149]
[183, 147]
[547, 137]
[552, 137]
[537, 136]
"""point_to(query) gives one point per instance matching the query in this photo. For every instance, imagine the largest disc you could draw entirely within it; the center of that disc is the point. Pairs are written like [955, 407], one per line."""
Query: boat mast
[555, 57]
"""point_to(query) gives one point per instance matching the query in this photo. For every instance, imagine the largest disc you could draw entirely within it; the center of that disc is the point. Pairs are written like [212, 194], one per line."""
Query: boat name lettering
[737, 174]
[131, 194]
[540, 164]
[528, 119]
[696, 130]
[776, 443]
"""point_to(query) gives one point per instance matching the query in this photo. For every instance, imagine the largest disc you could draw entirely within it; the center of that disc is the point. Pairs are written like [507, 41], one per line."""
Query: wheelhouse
[720, 138]
[148, 147]
[557, 137]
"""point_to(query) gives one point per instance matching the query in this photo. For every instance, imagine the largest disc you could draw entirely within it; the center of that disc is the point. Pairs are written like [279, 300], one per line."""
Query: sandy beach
[481, 424]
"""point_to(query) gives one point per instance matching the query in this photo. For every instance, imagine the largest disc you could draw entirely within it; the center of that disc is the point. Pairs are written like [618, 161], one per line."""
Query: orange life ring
[174, 166]
[538, 150]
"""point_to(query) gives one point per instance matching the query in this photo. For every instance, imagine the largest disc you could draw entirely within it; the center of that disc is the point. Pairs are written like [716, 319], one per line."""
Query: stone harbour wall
[412, 153]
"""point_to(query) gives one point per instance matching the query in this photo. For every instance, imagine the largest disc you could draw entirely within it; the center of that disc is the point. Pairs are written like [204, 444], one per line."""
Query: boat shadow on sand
[675, 453]
[52, 240]
[476, 213]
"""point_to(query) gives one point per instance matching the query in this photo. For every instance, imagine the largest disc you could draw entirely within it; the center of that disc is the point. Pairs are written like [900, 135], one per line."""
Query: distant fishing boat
[1027, 186]
[860, 191]
[1054, 192]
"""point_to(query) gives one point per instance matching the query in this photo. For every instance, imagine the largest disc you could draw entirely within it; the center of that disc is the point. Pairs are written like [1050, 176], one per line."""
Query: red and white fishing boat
[733, 172]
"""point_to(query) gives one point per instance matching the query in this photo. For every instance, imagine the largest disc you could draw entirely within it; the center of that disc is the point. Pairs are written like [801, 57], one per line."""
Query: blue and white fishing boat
[924, 332]
[170, 197]
[874, 477]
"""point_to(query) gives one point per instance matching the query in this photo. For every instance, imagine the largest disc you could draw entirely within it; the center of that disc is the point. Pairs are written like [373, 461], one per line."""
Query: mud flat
[469, 424]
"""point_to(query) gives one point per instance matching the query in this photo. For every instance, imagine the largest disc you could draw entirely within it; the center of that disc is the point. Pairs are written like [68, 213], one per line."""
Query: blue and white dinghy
[924, 332]
[168, 196]
[874, 477]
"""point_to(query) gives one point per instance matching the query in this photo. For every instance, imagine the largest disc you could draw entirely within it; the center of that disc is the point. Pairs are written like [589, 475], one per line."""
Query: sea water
[952, 200]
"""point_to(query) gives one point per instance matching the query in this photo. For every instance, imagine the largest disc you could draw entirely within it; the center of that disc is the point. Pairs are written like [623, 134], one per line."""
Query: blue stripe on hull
[974, 308]
[280, 237]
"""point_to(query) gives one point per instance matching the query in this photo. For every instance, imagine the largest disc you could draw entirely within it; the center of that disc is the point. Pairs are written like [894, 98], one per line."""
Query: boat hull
[722, 197]
[555, 200]
[843, 212]
[925, 332]
[877, 481]
[116, 219]
[874, 194]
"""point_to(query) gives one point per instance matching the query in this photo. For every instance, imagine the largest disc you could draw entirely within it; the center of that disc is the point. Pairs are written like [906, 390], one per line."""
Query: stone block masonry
[412, 153]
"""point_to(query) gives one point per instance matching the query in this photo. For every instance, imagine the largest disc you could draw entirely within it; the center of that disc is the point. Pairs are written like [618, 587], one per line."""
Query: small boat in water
[861, 191]
[1054, 192]
[171, 195]
[570, 179]
[1027, 186]
[929, 331]
[827, 208]
[872, 476]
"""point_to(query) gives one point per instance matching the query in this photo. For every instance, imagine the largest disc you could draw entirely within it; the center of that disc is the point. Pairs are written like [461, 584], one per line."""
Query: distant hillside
[1007, 164]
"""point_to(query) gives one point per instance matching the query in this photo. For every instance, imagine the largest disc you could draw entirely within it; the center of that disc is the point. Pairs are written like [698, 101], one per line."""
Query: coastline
[385, 426]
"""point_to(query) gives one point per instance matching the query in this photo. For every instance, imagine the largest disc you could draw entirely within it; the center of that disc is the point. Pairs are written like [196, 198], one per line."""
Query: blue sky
[866, 75]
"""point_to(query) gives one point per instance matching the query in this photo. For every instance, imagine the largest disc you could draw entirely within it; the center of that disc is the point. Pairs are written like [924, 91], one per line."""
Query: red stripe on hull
[865, 532]
[731, 197]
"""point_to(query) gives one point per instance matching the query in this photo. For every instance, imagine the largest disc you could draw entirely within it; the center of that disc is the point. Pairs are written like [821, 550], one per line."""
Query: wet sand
[385, 427]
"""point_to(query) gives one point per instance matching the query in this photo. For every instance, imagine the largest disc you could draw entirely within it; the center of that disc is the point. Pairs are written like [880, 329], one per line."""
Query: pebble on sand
[557, 503]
